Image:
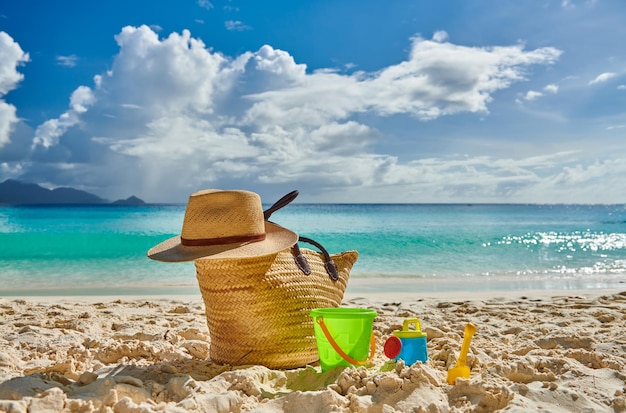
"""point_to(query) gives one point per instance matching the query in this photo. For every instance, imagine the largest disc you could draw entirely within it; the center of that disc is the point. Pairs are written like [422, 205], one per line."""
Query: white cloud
[49, 132]
[581, 174]
[11, 56]
[236, 26]
[603, 78]
[532, 95]
[163, 74]
[569, 4]
[440, 36]
[8, 117]
[621, 87]
[438, 79]
[555, 178]
[205, 4]
[552, 88]
[68, 61]
[81, 98]
[443, 78]
[172, 116]
[613, 127]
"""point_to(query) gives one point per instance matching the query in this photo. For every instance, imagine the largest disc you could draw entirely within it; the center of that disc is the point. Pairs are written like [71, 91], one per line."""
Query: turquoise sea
[86, 250]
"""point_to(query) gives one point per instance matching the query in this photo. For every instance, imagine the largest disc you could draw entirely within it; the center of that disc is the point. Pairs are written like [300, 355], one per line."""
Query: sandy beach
[556, 351]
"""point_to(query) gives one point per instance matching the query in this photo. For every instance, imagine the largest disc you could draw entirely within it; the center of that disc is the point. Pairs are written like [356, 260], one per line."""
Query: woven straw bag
[257, 308]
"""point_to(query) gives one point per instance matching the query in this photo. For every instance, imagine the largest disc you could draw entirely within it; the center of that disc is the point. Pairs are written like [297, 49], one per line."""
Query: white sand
[533, 351]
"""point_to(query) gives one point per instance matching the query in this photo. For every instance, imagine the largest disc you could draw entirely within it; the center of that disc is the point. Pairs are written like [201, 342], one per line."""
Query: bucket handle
[409, 321]
[331, 340]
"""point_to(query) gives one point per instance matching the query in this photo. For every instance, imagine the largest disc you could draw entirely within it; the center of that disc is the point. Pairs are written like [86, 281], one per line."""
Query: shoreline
[374, 297]
[426, 286]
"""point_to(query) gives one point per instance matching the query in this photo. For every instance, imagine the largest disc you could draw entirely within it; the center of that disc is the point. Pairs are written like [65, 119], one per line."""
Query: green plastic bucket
[344, 336]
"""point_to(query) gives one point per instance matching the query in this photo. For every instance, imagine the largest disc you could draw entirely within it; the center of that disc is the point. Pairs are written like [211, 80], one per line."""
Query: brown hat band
[201, 242]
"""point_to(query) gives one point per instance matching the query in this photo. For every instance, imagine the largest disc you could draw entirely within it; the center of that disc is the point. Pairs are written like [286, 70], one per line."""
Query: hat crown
[214, 214]
[224, 225]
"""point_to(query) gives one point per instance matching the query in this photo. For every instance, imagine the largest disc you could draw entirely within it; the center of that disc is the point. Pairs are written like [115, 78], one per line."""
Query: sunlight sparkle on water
[583, 241]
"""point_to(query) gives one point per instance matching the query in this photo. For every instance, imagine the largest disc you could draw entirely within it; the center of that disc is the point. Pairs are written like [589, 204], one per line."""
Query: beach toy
[461, 369]
[408, 345]
[344, 336]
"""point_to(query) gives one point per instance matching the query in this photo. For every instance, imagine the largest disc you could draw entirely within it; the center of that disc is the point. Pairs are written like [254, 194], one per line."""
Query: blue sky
[347, 101]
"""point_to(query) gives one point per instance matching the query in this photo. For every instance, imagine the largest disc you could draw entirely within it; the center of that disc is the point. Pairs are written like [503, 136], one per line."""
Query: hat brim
[276, 239]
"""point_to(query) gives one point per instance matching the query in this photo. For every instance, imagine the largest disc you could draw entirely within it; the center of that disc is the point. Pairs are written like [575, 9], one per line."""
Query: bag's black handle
[280, 203]
[301, 262]
[329, 264]
[300, 259]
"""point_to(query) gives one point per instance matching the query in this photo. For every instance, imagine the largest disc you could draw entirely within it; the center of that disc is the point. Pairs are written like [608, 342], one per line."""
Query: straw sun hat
[221, 225]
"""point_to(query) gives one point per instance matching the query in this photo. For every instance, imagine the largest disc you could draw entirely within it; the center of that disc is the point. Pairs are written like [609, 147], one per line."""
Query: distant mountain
[16, 192]
[133, 200]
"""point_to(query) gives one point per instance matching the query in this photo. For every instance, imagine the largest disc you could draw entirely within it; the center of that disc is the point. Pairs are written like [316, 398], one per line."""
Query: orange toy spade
[461, 369]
